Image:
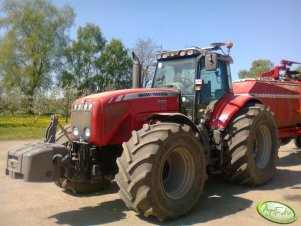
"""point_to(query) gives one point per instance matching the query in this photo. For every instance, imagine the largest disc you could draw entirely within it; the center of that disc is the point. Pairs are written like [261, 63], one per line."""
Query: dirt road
[222, 203]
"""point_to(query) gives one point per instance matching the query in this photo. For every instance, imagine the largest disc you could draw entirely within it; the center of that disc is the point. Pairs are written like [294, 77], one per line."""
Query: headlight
[75, 106]
[75, 131]
[87, 132]
[90, 107]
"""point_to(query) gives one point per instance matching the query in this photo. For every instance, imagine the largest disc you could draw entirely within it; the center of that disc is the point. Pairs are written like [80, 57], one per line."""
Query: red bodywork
[283, 97]
[117, 113]
[226, 108]
[280, 93]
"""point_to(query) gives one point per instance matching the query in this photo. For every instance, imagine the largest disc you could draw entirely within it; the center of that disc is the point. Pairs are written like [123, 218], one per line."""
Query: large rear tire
[251, 146]
[162, 170]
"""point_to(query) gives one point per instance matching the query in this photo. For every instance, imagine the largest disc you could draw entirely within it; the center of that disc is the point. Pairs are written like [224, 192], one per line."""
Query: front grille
[81, 120]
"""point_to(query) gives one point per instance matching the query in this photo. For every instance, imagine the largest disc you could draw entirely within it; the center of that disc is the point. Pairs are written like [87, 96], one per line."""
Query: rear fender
[227, 107]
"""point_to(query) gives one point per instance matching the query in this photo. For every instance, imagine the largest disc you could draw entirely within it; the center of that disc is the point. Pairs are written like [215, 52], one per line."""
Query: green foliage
[64, 98]
[32, 45]
[11, 101]
[23, 126]
[258, 67]
[92, 66]
[43, 71]
[115, 67]
[81, 57]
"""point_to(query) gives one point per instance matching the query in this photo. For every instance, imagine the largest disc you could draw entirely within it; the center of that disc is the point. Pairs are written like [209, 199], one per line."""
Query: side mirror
[211, 62]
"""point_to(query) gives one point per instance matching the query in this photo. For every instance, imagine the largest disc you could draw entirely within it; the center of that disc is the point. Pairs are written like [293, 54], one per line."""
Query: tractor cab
[202, 75]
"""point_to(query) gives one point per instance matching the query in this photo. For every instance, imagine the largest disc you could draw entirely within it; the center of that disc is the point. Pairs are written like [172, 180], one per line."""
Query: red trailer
[280, 90]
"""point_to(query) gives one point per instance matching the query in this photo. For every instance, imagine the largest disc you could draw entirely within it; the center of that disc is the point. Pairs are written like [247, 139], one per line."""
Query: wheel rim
[262, 147]
[177, 173]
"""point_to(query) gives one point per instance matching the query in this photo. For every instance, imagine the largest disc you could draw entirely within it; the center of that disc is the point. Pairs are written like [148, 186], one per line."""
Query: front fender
[227, 107]
[173, 117]
[183, 119]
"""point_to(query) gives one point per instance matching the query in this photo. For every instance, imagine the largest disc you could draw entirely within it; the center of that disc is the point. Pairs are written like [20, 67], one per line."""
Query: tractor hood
[109, 118]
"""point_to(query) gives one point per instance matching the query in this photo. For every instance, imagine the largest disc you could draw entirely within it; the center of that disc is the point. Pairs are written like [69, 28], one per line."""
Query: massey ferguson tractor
[160, 143]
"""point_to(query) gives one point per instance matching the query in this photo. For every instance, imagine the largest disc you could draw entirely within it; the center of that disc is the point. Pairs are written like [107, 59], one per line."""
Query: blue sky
[259, 29]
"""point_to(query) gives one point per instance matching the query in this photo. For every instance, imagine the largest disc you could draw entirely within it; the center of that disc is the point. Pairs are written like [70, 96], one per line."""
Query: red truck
[161, 142]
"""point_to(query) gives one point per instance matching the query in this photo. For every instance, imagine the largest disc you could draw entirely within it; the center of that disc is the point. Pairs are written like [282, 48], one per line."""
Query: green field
[23, 126]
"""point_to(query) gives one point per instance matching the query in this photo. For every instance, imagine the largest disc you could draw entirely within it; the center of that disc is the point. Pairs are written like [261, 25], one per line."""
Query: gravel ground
[222, 203]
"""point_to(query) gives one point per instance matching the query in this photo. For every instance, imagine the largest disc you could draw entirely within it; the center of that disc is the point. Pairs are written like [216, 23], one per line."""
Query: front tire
[251, 146]
[162, 170]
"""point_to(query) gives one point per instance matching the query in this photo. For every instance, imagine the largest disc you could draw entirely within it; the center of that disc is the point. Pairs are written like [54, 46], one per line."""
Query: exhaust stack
[136, 72]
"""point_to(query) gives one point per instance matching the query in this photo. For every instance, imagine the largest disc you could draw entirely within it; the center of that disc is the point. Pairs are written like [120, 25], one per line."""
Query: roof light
[190, 52]
[182, 53]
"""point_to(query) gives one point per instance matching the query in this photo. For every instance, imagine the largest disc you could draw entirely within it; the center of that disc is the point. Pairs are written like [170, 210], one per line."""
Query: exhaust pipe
[136, 72]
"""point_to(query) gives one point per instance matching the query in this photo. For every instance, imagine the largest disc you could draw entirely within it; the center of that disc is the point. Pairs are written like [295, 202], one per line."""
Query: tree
[146, 50]
[32, 46]
[258, 67]
[115, 67]
[10, 101]
[81, 57]
[65, 103]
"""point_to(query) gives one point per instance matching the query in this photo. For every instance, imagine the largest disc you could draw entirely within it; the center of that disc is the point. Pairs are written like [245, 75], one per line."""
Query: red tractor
[161, 142]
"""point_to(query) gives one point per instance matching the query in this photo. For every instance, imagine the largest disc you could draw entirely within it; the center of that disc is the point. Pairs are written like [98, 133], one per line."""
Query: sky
[259, 29]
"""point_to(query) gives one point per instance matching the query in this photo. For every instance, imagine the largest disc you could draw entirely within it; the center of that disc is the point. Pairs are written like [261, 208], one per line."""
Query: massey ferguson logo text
[152, 94]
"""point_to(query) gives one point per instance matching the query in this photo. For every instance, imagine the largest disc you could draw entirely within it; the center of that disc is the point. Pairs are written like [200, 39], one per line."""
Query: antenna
[161, 46]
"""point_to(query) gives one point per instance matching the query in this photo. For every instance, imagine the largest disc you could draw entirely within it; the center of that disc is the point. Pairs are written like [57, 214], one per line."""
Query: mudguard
[183, 119]
[227, 107]
[33, 161]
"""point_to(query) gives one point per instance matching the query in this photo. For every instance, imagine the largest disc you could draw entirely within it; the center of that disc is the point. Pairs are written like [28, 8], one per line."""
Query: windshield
[177, 73]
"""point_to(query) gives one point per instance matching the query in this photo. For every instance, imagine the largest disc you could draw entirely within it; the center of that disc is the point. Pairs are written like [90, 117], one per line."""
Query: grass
[23, 126]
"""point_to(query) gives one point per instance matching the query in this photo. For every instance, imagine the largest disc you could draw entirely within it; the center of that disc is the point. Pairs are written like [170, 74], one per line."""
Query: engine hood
[112, 116]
